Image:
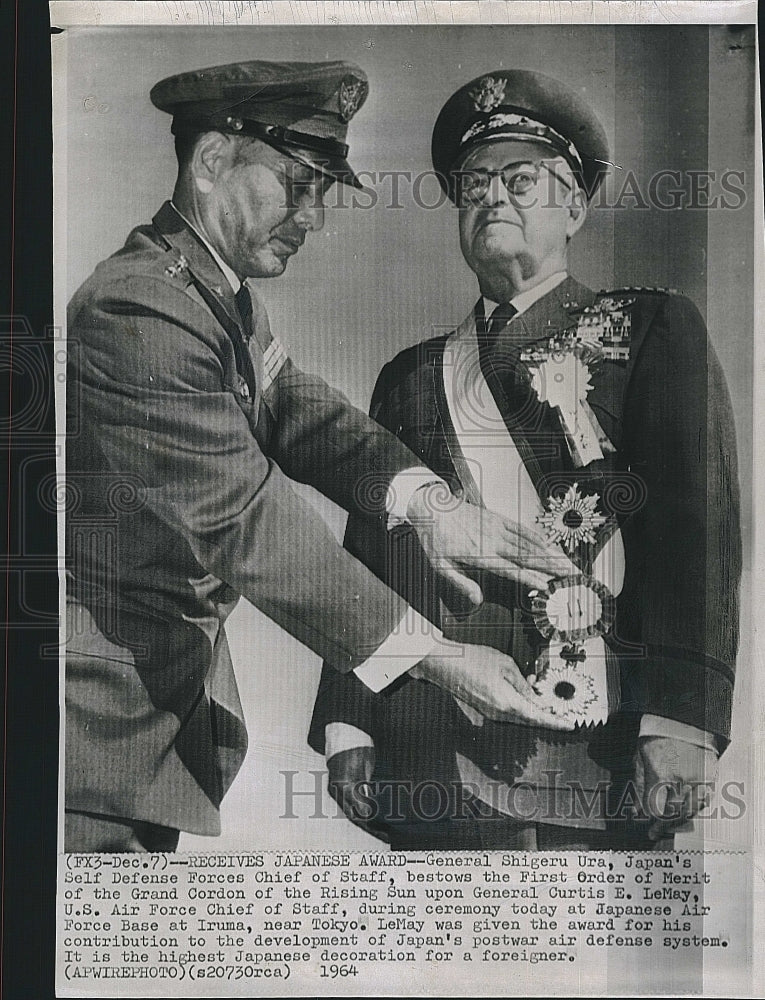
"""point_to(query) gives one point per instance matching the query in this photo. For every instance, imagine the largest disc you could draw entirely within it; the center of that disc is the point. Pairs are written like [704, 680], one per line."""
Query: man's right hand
[350, 785]
[467, 537]
[488, 680]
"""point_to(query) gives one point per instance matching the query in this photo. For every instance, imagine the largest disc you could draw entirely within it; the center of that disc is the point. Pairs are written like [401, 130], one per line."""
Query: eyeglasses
[302, 183]
[520, 182]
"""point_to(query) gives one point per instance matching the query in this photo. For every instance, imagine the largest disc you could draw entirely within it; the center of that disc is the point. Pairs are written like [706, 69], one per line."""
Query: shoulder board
[636, 290]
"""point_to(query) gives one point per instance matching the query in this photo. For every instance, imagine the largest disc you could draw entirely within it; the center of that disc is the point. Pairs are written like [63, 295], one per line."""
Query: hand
[472, 537]
[350, 776]
[673, 781]
[488, 680]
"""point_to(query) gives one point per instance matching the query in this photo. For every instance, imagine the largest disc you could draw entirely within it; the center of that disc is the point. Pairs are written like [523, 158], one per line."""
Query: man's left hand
[673, 781]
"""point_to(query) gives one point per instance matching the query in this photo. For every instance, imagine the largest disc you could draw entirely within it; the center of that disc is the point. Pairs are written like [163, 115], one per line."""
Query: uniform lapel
[212, 285]
[547, 316]
[534, 426]
[201, 266]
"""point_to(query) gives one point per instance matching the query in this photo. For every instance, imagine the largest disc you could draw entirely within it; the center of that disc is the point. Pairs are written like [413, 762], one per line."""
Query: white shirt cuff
[413, 639]
[402, 488]
[339, 736]
[657, 725]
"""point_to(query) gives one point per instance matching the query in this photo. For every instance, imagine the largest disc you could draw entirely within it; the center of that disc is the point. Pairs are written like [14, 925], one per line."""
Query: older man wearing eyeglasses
[187, 423]
[603, 422]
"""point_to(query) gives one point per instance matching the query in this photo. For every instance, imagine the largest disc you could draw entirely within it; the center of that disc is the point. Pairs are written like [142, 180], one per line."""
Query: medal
[566, 691]
[560, 376]
[560, 370]
[572, 518]
[178, 267]
[572, 611]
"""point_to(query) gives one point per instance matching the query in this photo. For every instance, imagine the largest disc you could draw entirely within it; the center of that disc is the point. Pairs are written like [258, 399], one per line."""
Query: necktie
[267, 352]
[488, 332]
[244, 306]
[528, 421]
[244, 361]
[499, 319]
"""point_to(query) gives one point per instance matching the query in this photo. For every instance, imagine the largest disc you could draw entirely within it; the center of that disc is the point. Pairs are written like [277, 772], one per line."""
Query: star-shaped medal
[572, 518]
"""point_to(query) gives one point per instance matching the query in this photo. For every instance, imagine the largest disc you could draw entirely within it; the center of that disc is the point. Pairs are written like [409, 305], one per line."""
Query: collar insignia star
[178, 267]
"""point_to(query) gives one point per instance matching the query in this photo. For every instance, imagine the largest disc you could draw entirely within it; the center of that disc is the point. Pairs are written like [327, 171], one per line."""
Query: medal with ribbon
[575, 612]
[561, 368]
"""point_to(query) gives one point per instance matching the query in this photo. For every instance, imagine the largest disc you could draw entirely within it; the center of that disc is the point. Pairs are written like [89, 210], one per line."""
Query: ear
[213, 155]
[577, 212]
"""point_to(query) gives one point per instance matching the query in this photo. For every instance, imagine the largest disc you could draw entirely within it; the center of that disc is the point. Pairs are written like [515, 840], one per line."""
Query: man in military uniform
[604, 421]
[186, 422]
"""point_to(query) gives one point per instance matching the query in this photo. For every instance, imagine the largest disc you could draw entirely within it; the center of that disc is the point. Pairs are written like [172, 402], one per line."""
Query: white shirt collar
[524, 300]
[232, 279]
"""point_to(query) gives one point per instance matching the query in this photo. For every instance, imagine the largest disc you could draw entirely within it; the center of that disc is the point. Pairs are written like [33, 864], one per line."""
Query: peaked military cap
[520, 105]
[300, 108]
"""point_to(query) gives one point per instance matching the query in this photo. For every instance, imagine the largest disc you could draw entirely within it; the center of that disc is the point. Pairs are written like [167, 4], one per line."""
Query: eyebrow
[511, 163]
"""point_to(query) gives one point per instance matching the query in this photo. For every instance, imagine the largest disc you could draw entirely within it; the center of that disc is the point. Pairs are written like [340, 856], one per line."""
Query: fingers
[672, 805]
[672, 816]
[681, 804]
[530, 578]
[676, 782]
[531, 549]
[697, 798]
[522, 708]
[481, 539]
[356, 799]
[349, 783]
[467, 589]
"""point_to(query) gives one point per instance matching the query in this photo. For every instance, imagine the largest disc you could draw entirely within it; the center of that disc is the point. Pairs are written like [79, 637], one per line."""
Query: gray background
[376, 280]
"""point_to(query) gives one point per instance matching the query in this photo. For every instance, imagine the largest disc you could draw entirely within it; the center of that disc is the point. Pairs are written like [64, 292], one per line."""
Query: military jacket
[180, 452]
[671, 483]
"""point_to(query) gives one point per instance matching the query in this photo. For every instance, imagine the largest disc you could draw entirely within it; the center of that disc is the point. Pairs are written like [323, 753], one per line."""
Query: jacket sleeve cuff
[655, 725]
[682, 686]
[339, 736]
[411, 642]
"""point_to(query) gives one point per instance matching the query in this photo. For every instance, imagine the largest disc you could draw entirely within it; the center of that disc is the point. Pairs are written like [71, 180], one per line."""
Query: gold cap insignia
[488, 95]
[352, 95]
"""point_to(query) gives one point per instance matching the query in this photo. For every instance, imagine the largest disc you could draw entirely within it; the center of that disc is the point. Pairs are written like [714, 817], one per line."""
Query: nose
[310, 212]
[496, 193]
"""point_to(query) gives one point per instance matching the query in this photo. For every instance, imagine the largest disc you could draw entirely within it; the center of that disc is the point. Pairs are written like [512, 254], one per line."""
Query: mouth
[486, 223]
[285, 247]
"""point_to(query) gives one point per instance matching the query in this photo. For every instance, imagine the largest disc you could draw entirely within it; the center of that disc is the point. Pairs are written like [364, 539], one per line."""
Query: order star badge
[566, 691]
[572, 518]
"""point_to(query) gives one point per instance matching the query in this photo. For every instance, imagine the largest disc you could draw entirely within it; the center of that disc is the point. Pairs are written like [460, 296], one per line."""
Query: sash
[498, 479]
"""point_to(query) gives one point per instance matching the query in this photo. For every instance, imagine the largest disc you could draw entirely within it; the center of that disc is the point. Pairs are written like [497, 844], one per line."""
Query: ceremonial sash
[495, 475]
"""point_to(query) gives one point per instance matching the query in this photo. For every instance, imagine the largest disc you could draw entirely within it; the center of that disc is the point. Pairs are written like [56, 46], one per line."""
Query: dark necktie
[488, 332]
[243, 358]
[244, 306]
[499, 319]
